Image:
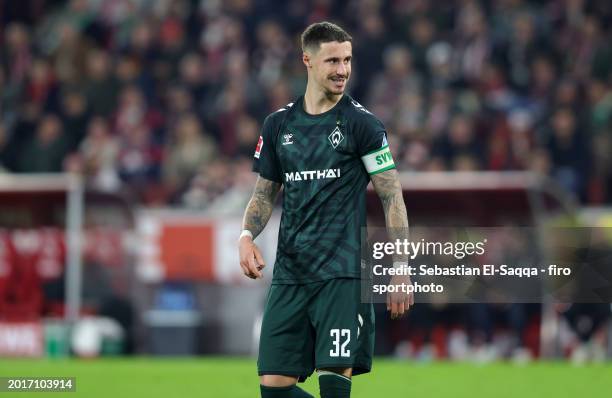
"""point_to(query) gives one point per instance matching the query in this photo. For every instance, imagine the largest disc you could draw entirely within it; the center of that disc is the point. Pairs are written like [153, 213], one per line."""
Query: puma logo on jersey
[312, 175]
[336, 137]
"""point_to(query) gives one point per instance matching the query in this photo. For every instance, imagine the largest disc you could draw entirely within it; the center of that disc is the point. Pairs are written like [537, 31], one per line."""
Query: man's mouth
[339, 81]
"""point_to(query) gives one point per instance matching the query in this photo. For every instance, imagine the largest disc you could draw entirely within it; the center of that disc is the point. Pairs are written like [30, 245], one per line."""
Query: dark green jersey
[323, 162]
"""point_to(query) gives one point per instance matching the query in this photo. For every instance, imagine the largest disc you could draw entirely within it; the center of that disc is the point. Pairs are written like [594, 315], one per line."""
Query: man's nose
[341, 69]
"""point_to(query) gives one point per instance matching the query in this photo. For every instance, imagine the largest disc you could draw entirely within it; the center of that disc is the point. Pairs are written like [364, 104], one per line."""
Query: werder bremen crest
[336, 137]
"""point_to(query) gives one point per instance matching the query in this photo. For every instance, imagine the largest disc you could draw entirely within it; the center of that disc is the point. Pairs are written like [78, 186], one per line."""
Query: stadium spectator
[190, 149]
[569, 151]
[100, 86]
[208, 185]
[139, 159]
[46, 151]
[16, 54]
[234, 199]
[41, 88]
[371, 36]
[99, 153]
[396, 79]
[460, 145]
[75, 117]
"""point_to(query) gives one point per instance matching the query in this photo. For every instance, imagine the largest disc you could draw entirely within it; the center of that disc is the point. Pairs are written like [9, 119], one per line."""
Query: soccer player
[324, 148]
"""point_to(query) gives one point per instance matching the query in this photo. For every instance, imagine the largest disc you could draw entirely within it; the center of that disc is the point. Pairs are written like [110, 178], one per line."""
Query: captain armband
[378, 160]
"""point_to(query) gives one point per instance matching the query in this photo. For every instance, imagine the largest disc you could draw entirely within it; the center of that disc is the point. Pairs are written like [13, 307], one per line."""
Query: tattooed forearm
[260, 206]
[389, 190]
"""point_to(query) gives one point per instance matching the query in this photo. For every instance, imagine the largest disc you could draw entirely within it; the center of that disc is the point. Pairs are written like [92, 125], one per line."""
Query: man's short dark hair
[323, 32]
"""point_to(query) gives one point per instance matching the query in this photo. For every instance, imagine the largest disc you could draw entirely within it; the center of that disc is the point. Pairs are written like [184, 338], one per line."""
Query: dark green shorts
[314, 326]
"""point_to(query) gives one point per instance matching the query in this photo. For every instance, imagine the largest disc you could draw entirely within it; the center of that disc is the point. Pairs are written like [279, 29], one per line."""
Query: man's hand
[251, 260]
[399, 302]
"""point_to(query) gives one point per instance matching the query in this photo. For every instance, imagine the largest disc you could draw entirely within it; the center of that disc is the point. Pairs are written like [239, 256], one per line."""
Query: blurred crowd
[164, 100]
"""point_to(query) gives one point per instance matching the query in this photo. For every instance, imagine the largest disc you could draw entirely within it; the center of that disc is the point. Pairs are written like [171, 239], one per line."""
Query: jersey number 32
[339, 349]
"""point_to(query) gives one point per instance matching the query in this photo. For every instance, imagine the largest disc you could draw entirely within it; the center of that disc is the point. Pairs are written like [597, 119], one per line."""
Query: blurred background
[127, 130]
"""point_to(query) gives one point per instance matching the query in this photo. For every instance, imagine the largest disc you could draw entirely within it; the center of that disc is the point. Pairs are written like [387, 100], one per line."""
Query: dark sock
[283, 392]
[334, 386]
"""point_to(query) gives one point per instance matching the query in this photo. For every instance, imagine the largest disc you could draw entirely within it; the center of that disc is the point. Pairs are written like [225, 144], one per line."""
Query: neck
[316, 101]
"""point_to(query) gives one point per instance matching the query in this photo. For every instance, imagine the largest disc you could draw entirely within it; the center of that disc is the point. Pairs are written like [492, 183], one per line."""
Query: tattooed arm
[256, 217]
[389, 191]
[260, 206]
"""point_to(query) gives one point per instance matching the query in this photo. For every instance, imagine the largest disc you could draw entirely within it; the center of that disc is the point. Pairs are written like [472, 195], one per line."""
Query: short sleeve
[265, 160]
[373, 147]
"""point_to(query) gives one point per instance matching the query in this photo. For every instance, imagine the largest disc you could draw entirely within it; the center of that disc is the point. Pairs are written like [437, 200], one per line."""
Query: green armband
[378, 161]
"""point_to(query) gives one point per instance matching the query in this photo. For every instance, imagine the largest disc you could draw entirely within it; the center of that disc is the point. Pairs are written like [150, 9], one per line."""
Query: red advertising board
[187, 251]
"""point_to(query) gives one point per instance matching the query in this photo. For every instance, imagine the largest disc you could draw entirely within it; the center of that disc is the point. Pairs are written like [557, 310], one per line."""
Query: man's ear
[306, 60]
